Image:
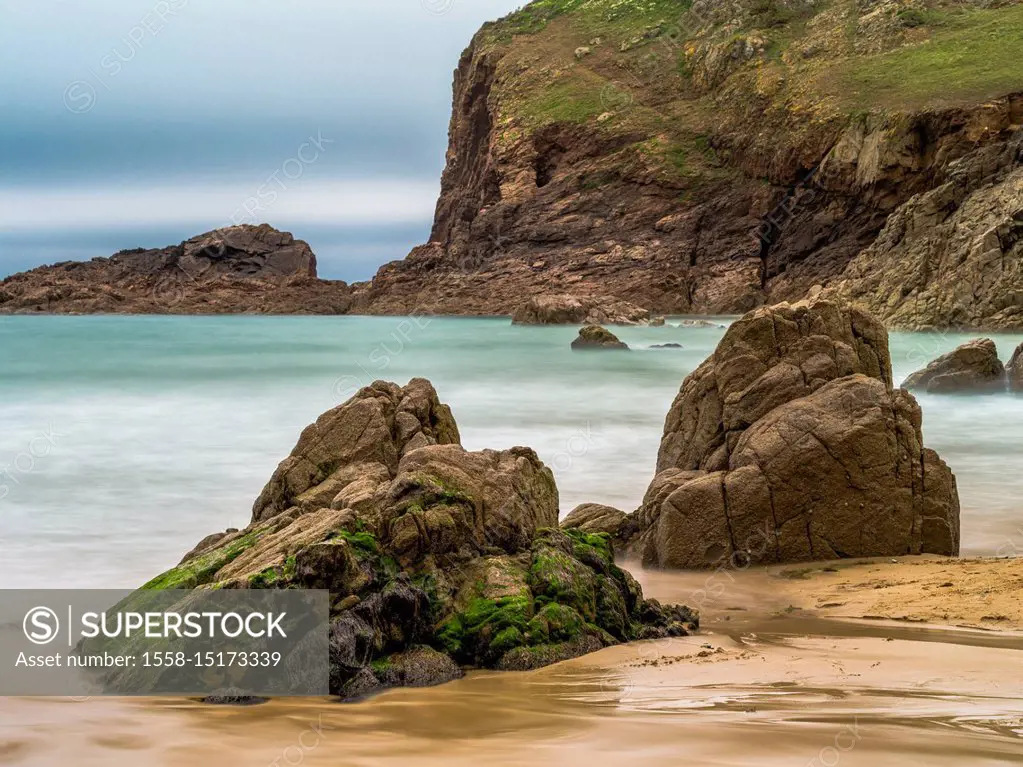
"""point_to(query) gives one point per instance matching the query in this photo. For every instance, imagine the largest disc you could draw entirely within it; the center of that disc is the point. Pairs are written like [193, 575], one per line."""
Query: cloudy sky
[142, 122]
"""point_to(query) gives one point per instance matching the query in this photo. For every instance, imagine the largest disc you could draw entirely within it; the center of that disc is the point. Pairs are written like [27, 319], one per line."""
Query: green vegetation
[202, 569]
[364, 543]
[572, 101]
[554, 576]
[602, 16]
[555, 623]
[972, 54]
[274, 576]
[587, 544]
[487, 627]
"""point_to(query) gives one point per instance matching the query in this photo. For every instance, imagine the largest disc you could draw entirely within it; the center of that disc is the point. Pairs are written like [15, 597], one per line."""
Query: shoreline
[998, 331]
[810, 685]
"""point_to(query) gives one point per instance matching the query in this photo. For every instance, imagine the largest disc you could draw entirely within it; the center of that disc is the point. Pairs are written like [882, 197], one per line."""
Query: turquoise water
[124, 440]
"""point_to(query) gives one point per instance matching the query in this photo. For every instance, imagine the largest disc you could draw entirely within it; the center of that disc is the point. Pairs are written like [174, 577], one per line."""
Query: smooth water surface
[124, 440]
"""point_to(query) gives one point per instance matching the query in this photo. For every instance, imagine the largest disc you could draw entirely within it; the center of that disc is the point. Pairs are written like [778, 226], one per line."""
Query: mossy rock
[480, 634]
[202, 569]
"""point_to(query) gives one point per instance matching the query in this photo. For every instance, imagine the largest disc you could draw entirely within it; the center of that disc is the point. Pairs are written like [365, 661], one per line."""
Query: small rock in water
[596, 337]
[666, 346]
[699, 324]
[973, 368]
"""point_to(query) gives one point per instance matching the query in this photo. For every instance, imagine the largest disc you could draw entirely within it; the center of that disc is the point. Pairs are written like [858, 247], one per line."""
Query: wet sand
[781, 675]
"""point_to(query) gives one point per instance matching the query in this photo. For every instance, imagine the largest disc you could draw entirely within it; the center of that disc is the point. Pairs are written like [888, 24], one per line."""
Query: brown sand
[774, 679]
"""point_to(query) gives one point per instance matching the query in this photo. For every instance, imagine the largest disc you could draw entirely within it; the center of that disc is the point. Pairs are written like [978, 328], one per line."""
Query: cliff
[239, 269]
[713, 157]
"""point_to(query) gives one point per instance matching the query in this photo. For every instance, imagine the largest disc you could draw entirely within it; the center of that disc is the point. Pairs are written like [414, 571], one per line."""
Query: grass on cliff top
[607, 17]
[971, 55]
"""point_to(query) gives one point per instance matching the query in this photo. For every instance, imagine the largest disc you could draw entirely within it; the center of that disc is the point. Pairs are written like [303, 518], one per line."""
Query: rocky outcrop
[710, 158]
[972, 368]
[239, 269]
[1014, 370]
[437, 558]
[596, 518]
[790, 444]
[595, 337]
[571, 310]
[951, 257]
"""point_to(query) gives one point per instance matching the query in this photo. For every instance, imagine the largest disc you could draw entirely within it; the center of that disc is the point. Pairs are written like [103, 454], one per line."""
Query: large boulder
[579, 310]
[973, 368]
[594, 337]
[769, 357]
[1014, 370]
[437, 558]
[789, 444]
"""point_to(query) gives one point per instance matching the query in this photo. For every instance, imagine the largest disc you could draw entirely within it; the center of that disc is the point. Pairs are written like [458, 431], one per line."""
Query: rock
[233, 697]
[692, 324]
[344, 455]
[583, 50]
[789, 444]
[657, 322]
[597, 518]
[572, 310]
[951, 257]
[233, 270]
[769, 357]
[772, 187]
[666, 346]
[1014, 370]
[596, 337]
[437, 558]
[973, 368]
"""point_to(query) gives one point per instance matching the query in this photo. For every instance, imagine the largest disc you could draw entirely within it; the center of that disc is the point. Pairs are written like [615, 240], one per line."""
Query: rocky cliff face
[232, 270]
[712, 157]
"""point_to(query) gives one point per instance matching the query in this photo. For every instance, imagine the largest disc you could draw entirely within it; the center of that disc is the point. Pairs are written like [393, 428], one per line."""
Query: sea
[125, 440]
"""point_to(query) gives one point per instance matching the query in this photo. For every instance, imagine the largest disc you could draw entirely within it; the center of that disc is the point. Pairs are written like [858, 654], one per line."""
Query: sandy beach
[866, 663]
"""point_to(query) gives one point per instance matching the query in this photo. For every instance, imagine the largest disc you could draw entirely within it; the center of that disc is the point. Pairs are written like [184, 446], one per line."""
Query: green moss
[202, 569]
[275, 576]
[363, 543]
[554, 576]
[381, 665]
[600, 542]
[265, 579]
[507, 639]
[555, 623]
[481, 630]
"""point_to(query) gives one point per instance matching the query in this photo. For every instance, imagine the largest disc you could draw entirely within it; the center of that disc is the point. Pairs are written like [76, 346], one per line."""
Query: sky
[139, 123]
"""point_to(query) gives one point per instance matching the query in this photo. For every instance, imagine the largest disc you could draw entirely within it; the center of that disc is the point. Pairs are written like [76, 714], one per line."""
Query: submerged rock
[1014, 370]
[437, 558]
[666, 346]
[789, 444]
[973, 368]
[575, 310]
[700, 324]
[596, 337]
